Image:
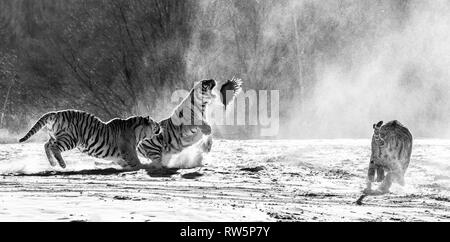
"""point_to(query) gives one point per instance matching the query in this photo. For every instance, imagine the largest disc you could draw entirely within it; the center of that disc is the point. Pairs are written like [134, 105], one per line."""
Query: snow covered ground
[251, 180]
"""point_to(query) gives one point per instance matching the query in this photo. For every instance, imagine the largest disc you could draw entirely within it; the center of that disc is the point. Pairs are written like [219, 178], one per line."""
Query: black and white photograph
[225, 111]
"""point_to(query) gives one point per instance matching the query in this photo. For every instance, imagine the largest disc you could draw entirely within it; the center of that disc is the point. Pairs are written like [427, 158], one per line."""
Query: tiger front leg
[129, 164]
[49, 153]
[207, 144]
[63, 142]
[129, 160]
[386, 184]
[383, 188]
[380, 173]
[370, 177]
[371, 171]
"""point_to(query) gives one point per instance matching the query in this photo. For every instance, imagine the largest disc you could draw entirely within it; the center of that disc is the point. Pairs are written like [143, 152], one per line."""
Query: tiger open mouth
[208, 84]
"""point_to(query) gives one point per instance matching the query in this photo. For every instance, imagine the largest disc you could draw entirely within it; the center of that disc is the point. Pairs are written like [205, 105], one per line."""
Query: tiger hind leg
[63, 142]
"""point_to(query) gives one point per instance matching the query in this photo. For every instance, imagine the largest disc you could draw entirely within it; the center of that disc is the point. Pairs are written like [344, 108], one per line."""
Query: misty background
[340, 66]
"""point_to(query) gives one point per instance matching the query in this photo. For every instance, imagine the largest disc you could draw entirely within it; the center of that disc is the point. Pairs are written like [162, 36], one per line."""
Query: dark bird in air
[233, 85]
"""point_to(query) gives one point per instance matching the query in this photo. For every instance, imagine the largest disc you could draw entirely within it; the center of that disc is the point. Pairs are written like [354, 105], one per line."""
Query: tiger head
[202, 91]
[147, 128]
[192, 109]
[377, 133]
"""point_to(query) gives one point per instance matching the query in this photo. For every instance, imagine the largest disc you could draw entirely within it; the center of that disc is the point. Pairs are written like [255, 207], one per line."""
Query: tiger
[186, 126]
[391, 153]
[114, 140]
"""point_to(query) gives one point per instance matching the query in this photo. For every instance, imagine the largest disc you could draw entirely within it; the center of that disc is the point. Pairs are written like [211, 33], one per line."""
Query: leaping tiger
[115, 140]
[187, 125]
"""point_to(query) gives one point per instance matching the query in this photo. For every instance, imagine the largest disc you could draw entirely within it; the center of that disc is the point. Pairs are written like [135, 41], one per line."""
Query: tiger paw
[207, 144]
[132, 167]
[382, 190]
[370, 192]
[367, 191]
[376, 192]
[206, 129]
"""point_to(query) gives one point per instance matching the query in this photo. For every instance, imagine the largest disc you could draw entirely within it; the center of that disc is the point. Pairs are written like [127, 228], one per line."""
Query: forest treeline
[116, 58]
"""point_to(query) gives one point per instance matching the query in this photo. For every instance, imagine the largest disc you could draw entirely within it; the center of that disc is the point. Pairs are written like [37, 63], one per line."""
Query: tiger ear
[378, 125]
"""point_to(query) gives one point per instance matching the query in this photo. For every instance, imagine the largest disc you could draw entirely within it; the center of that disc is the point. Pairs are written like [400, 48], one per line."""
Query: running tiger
[391, 153]
[186, 126]
[115, 140]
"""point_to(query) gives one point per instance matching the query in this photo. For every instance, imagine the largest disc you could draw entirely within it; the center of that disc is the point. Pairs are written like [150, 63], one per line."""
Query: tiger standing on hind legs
[391, 153]
[115, 140]
[187, 127]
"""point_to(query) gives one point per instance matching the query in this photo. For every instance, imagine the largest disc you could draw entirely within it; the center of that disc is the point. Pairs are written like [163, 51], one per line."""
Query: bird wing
[230, 85]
